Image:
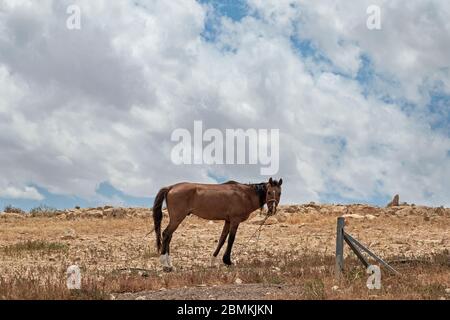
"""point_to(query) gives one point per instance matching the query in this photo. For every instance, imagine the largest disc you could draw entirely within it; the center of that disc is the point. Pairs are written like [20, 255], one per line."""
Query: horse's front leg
[232, 235]
[223, 237]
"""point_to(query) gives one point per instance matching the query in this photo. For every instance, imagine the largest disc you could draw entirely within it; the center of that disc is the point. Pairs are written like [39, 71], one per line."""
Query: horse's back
[209, 201]
[187, 189]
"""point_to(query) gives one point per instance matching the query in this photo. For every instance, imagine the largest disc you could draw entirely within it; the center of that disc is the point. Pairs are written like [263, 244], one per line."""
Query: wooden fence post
[339, 247]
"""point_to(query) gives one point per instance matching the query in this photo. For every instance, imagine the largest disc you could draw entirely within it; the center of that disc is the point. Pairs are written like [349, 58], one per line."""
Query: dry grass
[41, 246]
[313, 275]
[47, 284]
[118, 256]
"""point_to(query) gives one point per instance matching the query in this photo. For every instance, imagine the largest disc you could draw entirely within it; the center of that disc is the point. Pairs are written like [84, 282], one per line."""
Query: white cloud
[20, 193]
[81, 107]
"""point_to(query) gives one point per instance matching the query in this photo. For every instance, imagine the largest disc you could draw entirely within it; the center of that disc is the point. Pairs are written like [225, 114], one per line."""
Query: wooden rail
[356, 247]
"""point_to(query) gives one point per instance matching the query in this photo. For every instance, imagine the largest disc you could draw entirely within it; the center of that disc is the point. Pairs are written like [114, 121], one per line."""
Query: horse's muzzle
[272, 210]
[272, 207]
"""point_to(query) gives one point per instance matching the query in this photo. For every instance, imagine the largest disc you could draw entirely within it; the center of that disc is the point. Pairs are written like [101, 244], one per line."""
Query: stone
[257, 220]
[69, 234]
[108, 212]
[271, 221]
[338, 209]
[115, 212]
[282, 217]
[353, 215]
[62, 216]
[404, 212]
[238, 281]
[10, 215]
[291, 209]
[118, 213]
[95, 214]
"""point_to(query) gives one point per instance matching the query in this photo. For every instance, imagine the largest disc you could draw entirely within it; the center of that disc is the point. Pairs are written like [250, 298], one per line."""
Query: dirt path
[226, 292]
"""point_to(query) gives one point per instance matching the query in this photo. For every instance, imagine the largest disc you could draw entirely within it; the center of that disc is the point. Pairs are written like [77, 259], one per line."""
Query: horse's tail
[158, 215]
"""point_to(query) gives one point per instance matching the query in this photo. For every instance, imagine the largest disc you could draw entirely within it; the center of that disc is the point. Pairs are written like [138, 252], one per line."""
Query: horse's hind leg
[223, 237]
[167, 237]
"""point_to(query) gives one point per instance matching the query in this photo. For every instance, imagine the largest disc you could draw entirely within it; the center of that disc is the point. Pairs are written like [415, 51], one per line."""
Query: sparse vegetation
[10, 209]
[34, 246]
[43, 211]
[314, 289]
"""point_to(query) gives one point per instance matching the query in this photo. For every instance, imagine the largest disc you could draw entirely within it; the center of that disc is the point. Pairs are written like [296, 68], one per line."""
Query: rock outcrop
[290, 214]
[11, 216]
[395, 202]
[106, 212]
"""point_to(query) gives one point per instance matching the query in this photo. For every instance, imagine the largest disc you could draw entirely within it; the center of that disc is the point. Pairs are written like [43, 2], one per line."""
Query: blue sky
[106, 194]
[363, 115]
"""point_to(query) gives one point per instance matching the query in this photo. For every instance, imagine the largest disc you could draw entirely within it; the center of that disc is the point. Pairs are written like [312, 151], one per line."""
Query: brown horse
[232, 202]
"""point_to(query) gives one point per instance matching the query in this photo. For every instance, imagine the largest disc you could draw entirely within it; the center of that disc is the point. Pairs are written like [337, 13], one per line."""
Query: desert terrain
[291, 258]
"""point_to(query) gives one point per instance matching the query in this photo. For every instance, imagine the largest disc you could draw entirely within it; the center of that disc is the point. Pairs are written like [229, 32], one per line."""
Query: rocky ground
[110, 240]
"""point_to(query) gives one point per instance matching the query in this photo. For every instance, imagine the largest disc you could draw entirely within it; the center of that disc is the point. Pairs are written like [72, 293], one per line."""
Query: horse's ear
[280, 182]
[271, 181]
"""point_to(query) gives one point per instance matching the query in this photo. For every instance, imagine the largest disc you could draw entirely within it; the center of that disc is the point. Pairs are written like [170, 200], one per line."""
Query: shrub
[34, 246]
[43, 211]
[11, 209]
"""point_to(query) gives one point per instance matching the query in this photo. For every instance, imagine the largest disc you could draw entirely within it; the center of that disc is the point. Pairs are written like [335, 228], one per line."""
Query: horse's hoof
[227, 262]
[167, 269]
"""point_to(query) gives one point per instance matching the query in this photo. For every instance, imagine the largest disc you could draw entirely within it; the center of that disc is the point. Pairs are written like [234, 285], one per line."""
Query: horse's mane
[231, 182]
[260, 189]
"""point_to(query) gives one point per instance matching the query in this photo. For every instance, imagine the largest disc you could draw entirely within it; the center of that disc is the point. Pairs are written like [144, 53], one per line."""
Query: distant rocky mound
[81, 213]
[285, 214]
[106, 212]
[290, 213]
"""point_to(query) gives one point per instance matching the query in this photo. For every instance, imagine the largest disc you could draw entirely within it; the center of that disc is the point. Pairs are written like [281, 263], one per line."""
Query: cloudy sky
[86, 115]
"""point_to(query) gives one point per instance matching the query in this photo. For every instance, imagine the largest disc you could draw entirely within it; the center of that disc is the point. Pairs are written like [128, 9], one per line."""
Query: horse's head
[273, 195]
